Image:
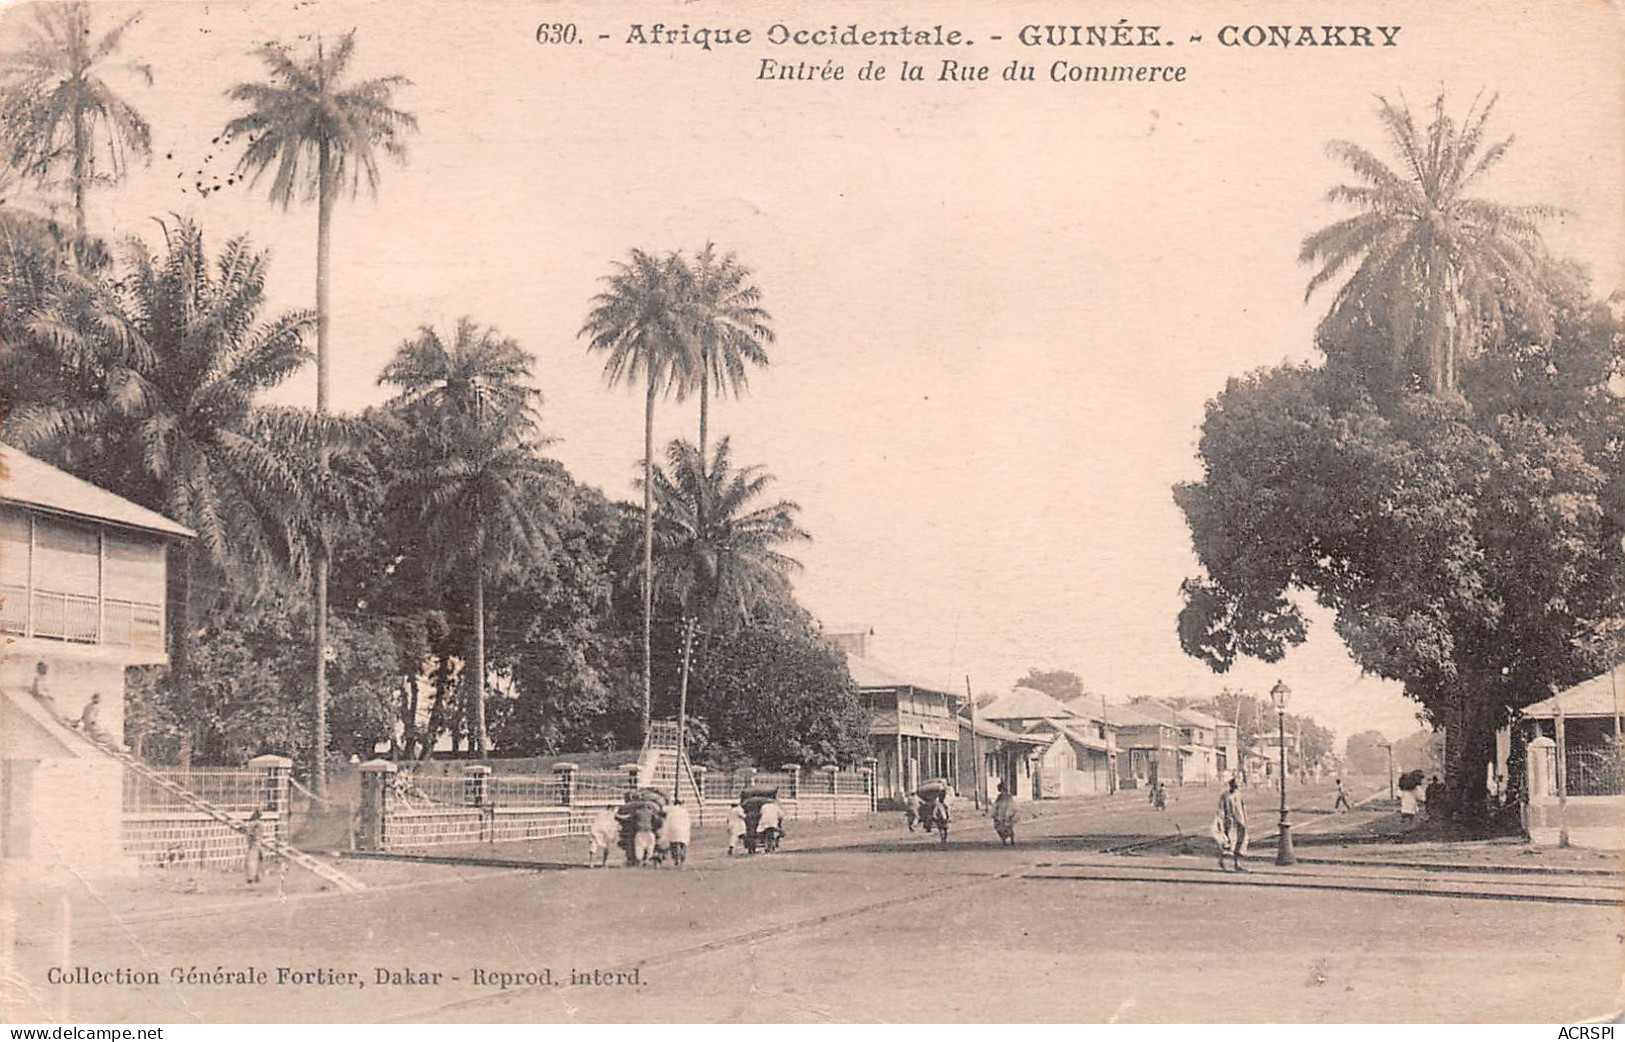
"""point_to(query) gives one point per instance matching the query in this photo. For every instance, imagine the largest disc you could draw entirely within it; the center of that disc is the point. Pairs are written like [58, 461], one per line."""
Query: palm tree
[173, 358]
[479, 489]
[1434, 268]
[639, 322]
[323, 134]
[480, 374]
[720, 556]
[731, 328]
[54, 104]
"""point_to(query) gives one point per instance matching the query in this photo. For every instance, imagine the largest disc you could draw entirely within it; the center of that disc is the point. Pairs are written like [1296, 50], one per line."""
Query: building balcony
[70, 618]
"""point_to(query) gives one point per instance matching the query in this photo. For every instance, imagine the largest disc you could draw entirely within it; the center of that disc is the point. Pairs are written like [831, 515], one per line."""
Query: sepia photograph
[812, 512]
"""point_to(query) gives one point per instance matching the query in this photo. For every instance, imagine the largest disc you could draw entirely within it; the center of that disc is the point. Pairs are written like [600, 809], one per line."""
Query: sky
[1000, 307]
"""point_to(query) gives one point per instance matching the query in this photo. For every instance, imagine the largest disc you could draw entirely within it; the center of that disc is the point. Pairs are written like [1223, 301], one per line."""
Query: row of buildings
[1038, 745]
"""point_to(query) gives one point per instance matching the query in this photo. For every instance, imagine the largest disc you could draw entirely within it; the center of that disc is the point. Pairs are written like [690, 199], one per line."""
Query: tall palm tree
[1434, 268]
[639, 322]
[720, 555]
[56, 109]
[323, 133]
[479, 491]
[731, 328]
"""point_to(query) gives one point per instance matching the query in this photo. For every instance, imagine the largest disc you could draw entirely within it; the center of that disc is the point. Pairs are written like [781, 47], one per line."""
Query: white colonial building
[82, 597]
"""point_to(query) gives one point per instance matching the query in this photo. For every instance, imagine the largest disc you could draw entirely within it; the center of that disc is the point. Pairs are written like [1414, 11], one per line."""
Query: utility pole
[975, 746]
[1105, 732]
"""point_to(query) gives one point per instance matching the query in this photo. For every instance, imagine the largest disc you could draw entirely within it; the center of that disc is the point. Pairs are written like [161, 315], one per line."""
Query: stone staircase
[272, 844]
[659, 765]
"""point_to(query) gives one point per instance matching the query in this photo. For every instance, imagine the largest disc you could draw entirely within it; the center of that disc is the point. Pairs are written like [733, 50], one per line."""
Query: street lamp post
[1390, 747]
[1279, 694]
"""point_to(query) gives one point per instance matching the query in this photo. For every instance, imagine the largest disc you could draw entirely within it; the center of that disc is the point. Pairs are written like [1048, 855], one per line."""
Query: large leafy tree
[57, 112]
[322, 132]
[780, 695]
[719, 553]
[1430, 272]
[639, 323]
[479, 491]
[1464, 549]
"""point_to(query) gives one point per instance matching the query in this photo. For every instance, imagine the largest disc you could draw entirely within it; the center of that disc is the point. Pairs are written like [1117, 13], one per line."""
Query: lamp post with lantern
[1279, 694]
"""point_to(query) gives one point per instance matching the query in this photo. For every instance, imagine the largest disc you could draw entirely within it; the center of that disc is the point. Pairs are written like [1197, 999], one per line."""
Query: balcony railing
[81, 619]
[13, 608]
[66, 616]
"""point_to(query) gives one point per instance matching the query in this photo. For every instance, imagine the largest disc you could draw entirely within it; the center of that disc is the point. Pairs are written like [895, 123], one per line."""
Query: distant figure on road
[1342, 802]
[1233, 826]
[1407, 805]
[1159, 796]
[255, 854]
[1436, 799]
[1004, 815]
[736, 828]
[771, 820]
[675, 833]
[911, 809]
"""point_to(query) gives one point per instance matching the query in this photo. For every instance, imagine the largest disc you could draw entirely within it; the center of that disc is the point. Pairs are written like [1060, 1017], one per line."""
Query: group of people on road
[651, 832]
[647, 831]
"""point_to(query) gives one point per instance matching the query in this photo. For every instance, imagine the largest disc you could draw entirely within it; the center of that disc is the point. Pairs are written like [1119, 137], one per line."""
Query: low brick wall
[160, 828]
[182, 839]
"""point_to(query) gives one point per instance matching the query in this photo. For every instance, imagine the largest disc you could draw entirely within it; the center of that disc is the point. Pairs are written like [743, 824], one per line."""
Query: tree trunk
[437, 712]
[324, 222]
[648, 551]
[482, 740]
[79, 175]
[409, 719]
[1469, 749]
[705, 404]
[682, 706]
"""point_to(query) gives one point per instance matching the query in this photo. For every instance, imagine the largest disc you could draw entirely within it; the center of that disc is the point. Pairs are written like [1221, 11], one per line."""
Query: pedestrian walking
[1342, 802]
[911, 810]
[646, 821]
[1435, 800]
[1407, 804]
[1159, 796]
[602, 836]
[675, 833]
[1004, 816]
[1232, 826]
[770, 825]
[736, 827]
[255, 854]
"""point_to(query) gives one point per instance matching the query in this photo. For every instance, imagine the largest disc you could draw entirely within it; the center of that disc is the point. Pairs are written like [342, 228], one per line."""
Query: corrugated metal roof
[1125, 716]
[34, 483]
[1594, 697]
[867, 673]
[1025, 703]
[987, 729]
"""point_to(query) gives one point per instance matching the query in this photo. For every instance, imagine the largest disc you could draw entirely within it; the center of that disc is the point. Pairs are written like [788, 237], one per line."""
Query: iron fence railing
[231, 790]
[1595, 771]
